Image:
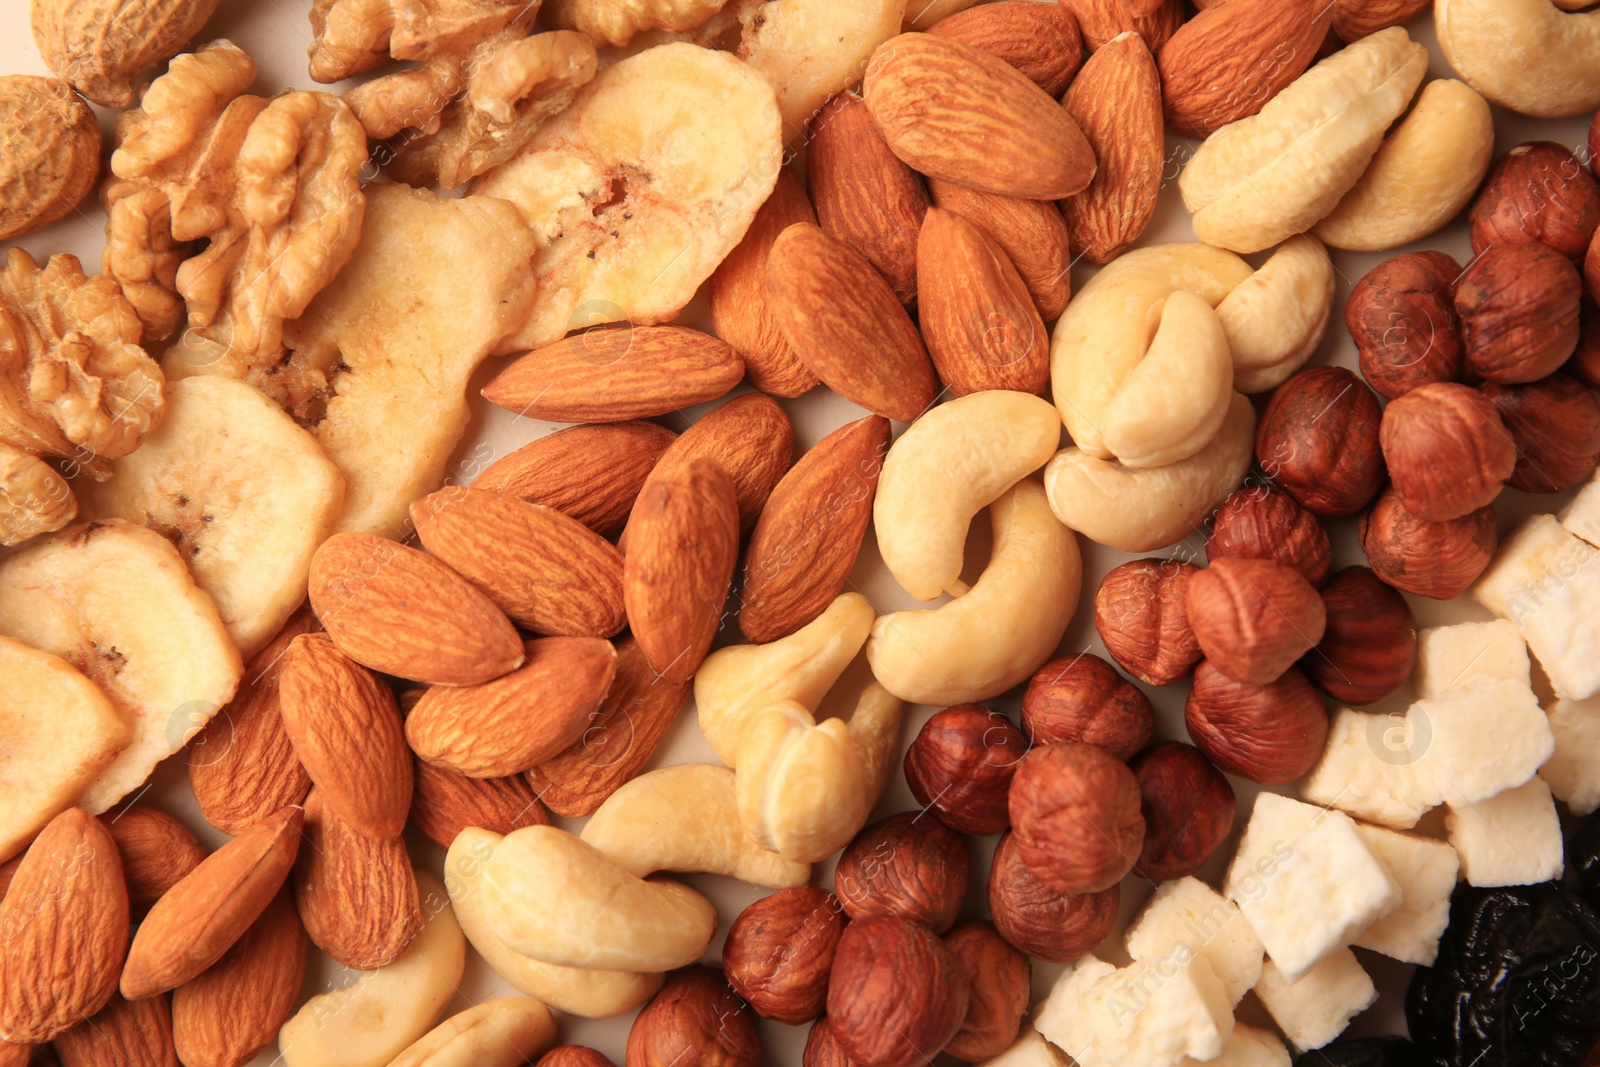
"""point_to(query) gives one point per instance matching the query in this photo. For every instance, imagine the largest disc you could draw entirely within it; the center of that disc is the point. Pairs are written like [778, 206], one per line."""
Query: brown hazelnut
[1318, 441]
[1448, 450]
[1082, 698]
[1591, 268]
[1556, 426]
[910, 865]
[1519, 312]
[1585, 362]
[697, 1020]
[1047, 925]
[573, 1056]
[1075, 816]
[823, 1048]
[1253, 617]
[1000, 980]
[1261, 522]
[1139, 611]
[1370, 645]
[1188, 809]
[897, 994]
[779, 951]
[960, 765]
[1438, 560]
[1402, 317]
[1594, 145]
[1270, 735]
[1537, 193]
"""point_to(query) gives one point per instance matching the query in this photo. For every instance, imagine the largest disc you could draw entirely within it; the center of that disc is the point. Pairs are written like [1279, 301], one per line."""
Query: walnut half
[34, 498]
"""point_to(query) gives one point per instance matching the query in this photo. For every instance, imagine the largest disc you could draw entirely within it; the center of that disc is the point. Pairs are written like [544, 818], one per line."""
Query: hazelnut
[823, 1048]
[1555, 424]
[696, 1020]
[1519, 312]
[573, 1056]
[1075, 816]
[1537, 193]
[1585, 362]
[1594, 144]
[1402, 317]
[1139, 611]
[960, 765]
[1269, 734]
[897, 994]
[907, 865]
[1188, 809]
[1438, 560]
[1253, 617]
[1591, 268]
[1370, 645]
[1318, 441]
[1000, 980]
[1082, 698]
[1047, 925]
[779, 951]
[1261, 522]
[1448, 450]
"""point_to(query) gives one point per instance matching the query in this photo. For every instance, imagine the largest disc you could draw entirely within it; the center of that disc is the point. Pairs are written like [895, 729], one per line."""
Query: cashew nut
[1140, 510]
[1527, 55]
[686, 818]
[1278, 316]
[949, 465]
[496, 1033]
[992, 637]
[1425, 173]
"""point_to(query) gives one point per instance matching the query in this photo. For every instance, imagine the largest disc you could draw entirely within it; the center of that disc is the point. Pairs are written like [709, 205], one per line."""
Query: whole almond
[202, 916]
[156, 852]
[347, 732]
[548, 572]
[1031, 232]
[1355, 19]
[612, 374]
[63, 929]
[513, 723]
[865, 196]
[125, 1033]
[623, 737]
[809, 534]
[1040, 40]
[847, 325]
[445, 802]
[13, 1055]
[682, 547]
[356, 896]
[1254, 618]
[750, 438]
[1101, 20]
[1116, 100]
[982, 329]
[965, 116]
[402, 612]
[592, 473]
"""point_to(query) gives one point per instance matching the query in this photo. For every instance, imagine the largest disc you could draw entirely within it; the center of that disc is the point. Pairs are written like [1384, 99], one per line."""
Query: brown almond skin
[751, 438]
[445, 802]
[1402, 317]
[156, 850]
[1046, 924]
[960, 766]
[999, 978]
[905, 865]
[897, 994]
[1101, 20]
[1518, 306]
[1222, 66]
[1139, 611]
[1261, 522]
[1083, 699]
[695, 1021]
[1448, 451]
[1439, 560]
[1254, 618]
[1370, 646]
[357, 897]
[1075, 817]
[779, 951]
[1555, 423]
[1537, 193]
[1040, 40]
[1032, 234]
[1188, 809]
[137, 1033]
[1270, 735]
[1318, 441]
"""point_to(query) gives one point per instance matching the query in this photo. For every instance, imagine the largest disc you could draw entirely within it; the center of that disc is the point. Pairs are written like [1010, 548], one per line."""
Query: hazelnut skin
[1047, 925]
[1519, 312]
[1000, 980]
[695, 1021]
[897, 994]
[1271, 735]
[1083, 699]
[1265, 523]
[1253, 617]
[1402, 317]
[1139, 612]
[907, 866]
[1556, 426]
[1594, 144]
[572, 1056]
[960, 765]
[1585, 362]
[1448, 450]
[779, 951]
[1318, 441]
[823, 1049]
[1438, 560]
[1188, 808]
[1075, 817]
[1537, 193]
[1370, 645]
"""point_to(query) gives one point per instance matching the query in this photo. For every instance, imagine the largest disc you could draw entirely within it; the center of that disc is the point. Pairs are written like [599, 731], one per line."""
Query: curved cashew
[496, 1033]
[1526, 55]
[949, 465]
[736, 682]
[990, 639]
[1141, 510]
[1425, 173]
[556, 898]
[1278, 316]
[592, 994]
[686, 818]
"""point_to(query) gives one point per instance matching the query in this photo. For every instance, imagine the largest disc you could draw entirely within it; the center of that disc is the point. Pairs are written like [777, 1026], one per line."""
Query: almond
[1031, 232]
[682, 547]
[402, 612]
[1116, 100]
[548, 572]
[982, 329]
[513, 723]
[965, 116]
[1355, 19]
[750, 438]
[125, 1033]
[1101, 20]
[12, 1055]
[63, 930]
[865, 196]
[202, 916]
[1040, 40]
[592, 473]
[226, 1015]
[626, 730]
[156, 852]
[611, 374]
[739, 311]
[445, 802]
[356, 896]
[347, 732]
[847, 325]
[810, 533]
[8, 871]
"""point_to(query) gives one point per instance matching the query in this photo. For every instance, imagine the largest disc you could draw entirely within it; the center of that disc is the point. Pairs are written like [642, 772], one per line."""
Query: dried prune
[1583, 859]
[1365, 1052]
[1517, 981]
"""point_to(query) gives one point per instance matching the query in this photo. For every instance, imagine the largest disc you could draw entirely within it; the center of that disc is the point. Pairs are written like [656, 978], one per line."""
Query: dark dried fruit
[1364, 1052]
